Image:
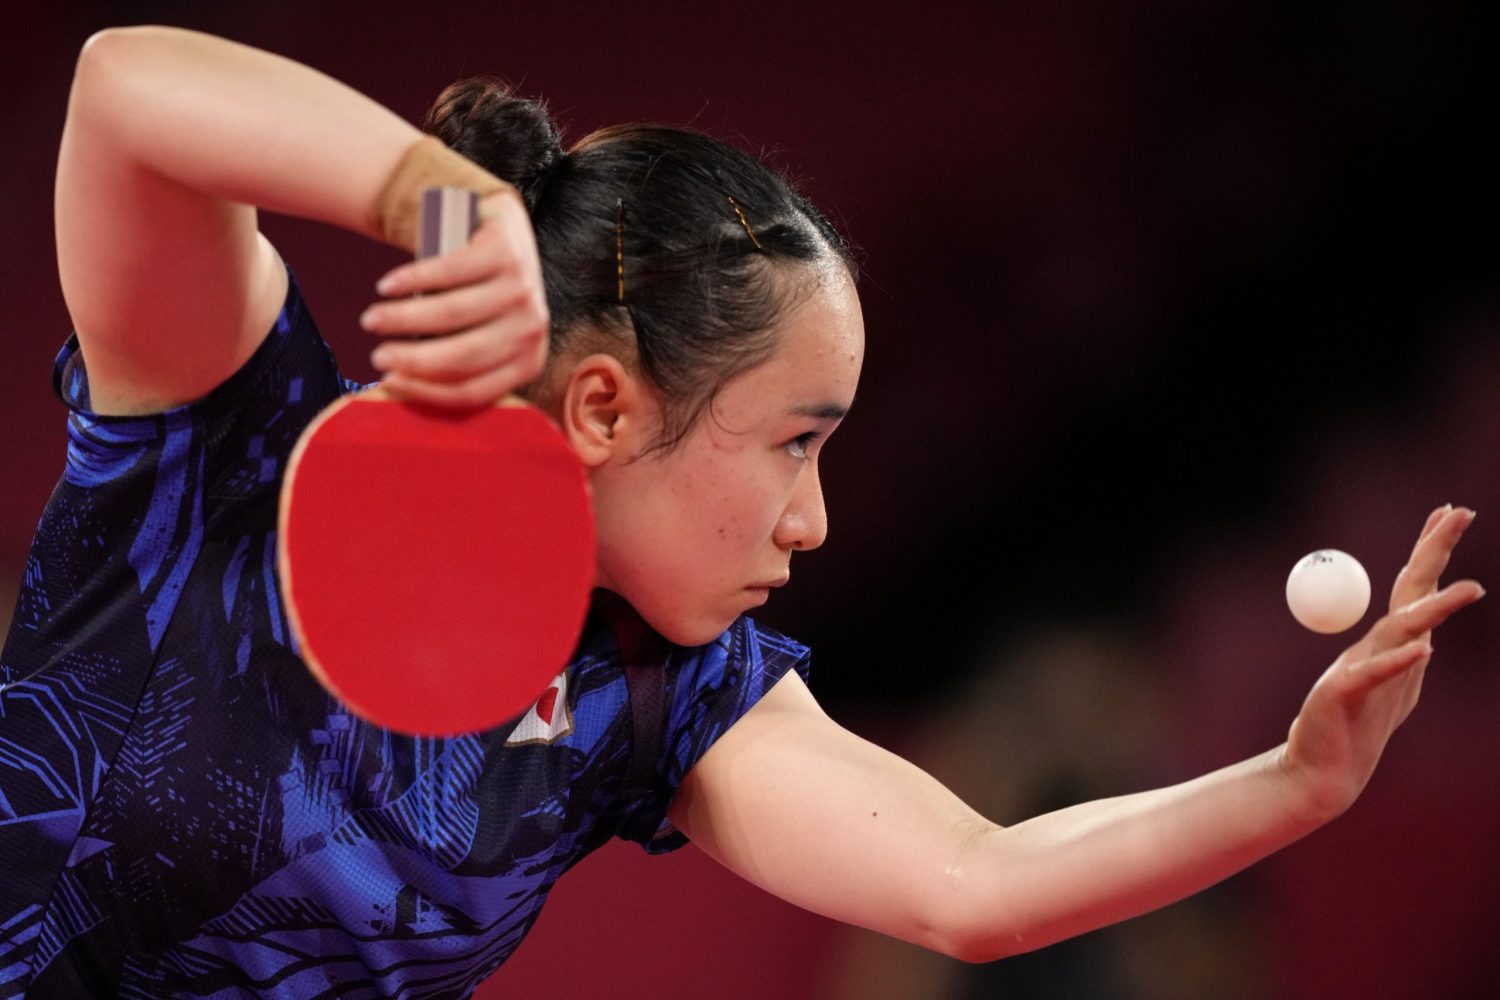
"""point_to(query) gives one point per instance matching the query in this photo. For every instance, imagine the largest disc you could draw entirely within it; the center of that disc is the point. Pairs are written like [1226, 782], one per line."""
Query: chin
[682, 626]
[698, 630]
[692, 634]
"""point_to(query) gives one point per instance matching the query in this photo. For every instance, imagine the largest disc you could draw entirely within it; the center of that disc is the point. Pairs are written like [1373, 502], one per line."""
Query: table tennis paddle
[436, 565]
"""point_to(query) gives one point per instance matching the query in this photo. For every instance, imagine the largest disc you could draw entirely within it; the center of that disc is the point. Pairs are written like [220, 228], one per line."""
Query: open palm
[1337, 738]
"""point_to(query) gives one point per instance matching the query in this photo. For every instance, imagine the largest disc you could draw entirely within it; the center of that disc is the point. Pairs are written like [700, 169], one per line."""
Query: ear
[605, 410]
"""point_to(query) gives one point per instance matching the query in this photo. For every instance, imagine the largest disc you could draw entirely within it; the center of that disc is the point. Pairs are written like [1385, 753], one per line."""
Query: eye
[797, 447]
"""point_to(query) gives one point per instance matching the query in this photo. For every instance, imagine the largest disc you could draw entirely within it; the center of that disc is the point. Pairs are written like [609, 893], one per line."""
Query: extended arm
[828, 821]
[172, 140]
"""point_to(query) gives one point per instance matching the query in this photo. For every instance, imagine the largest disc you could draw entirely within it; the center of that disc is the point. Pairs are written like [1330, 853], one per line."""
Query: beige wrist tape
[426, 163]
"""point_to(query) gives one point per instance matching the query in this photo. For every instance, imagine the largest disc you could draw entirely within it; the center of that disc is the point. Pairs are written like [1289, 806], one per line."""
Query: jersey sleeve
[141, 496]
[149, 581]
[248, 423]
[710, 689]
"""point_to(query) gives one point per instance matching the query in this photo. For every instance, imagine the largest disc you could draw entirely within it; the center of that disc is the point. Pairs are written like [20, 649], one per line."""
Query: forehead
[820, 344]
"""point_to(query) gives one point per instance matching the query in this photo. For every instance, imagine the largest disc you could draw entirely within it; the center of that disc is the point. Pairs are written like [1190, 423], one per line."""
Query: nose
[803, 525]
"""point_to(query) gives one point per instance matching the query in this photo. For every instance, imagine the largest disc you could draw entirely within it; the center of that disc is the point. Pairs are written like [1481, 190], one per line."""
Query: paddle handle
[449, 216]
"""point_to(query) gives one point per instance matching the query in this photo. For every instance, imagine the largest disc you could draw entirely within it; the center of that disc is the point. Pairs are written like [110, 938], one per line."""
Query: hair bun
[512, 137]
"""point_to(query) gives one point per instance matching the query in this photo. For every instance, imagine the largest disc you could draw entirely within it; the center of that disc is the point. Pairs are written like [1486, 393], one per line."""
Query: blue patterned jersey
[185, 812]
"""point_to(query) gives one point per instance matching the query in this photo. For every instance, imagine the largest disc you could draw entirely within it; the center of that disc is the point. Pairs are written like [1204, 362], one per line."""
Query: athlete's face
[697, 535]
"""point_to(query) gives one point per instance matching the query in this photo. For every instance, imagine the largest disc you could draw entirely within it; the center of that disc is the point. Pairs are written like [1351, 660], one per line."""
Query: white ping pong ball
[1328, 591]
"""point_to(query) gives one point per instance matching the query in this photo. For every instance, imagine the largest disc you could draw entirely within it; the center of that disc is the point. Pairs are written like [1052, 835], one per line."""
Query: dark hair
[704, 233]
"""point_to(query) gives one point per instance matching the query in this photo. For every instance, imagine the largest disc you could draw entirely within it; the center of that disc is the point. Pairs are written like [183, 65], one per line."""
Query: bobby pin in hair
[620, 249]
[743, 221]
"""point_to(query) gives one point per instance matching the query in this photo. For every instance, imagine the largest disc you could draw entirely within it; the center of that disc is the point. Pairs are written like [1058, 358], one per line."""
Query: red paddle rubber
[437, 566]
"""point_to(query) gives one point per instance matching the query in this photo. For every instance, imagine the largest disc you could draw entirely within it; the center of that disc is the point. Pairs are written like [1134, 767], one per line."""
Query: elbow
[969, 922]
[103, 50]
[96, 74]
[109, 61]
[126, 38]
[973, 950]
[977, 938]
[986, 906]
[976, 945]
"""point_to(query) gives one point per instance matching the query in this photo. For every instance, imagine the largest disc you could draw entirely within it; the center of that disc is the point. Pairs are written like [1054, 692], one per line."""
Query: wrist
[426, 163]
[1316, 795]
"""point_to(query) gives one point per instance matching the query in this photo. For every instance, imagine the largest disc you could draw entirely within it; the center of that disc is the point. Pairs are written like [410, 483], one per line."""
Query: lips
[760, 592]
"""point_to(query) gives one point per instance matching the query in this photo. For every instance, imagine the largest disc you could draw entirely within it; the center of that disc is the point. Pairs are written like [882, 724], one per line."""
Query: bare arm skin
[172, 141]
[814, 814]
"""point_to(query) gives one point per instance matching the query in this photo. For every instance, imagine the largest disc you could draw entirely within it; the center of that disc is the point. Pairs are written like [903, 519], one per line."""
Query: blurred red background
[1160, 297]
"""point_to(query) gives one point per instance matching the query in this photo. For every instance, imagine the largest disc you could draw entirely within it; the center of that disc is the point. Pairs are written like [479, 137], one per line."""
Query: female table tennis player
[188, 814]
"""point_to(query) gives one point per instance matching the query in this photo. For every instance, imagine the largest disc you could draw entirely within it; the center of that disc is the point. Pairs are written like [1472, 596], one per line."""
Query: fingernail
[370, 319]
[386, 285]
[381, 358]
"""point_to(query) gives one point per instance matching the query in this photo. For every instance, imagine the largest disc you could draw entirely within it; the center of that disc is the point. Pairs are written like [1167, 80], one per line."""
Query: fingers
[481, 310]
[1425, 614]
[1388, 663]
[1429, 557]
[484, 389]
[504, 244]
[1433, 519]
[474, 368]
[511, 340]
[434, 274]
[460, 307]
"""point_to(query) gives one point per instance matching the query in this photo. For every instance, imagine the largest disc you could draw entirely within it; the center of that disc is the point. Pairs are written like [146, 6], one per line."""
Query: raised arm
[172, 141]
[814, 814]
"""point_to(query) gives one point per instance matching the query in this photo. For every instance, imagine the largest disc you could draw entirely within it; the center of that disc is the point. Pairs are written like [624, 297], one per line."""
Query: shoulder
[291, 361]
[230, 445]
[742, 664]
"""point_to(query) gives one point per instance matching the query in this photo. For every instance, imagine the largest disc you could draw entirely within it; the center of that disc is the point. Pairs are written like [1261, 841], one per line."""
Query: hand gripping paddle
[436, 565]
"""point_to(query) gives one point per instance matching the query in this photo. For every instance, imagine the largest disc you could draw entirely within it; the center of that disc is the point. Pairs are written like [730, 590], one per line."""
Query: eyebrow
[822, 411]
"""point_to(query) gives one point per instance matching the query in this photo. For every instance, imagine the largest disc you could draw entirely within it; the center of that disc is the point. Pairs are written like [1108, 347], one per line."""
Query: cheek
[731, 507]
[660, 526]
[699, 520]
